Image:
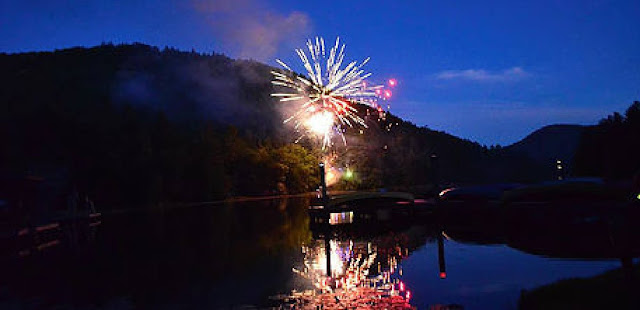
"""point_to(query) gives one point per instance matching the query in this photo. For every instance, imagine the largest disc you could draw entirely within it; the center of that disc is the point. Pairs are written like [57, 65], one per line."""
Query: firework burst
[326, 98]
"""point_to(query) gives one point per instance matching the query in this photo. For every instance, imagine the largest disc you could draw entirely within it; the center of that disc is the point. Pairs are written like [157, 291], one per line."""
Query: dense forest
[133, 124]
[611, 149]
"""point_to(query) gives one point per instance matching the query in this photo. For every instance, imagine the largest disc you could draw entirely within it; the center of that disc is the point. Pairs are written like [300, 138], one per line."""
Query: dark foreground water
[265, 254]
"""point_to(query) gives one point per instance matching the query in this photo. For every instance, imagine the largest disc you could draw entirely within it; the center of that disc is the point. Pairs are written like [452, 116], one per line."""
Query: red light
[387, 93]
[23, 231]
[408, 295]
[443, 275]
[392, 82]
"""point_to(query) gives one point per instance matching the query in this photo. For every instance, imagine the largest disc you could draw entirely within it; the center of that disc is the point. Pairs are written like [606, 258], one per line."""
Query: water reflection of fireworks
[358, 278]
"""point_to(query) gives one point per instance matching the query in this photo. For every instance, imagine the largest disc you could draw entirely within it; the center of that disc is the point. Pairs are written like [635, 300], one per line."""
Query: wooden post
[441, 263]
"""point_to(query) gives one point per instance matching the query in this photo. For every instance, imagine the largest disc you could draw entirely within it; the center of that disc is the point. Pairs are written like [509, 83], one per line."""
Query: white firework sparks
[326, 98]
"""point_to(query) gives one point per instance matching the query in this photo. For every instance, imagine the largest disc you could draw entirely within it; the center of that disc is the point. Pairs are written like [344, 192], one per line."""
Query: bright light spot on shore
[638, 196]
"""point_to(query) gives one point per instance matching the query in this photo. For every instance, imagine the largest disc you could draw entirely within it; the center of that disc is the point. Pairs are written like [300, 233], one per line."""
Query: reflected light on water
[359, 277]
[341, 218]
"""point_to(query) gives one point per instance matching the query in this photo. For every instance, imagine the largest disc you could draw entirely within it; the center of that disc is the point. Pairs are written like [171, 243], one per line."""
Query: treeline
[611, 149]
[135, 124]
[128, 154]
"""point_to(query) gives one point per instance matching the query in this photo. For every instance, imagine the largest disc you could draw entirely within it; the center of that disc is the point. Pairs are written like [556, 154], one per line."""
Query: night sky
[489, 71]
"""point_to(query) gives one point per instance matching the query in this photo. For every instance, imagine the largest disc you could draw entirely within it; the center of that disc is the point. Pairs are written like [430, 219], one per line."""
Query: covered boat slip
[567, 212]
[569, 201]
[580, 193]
[356, 207]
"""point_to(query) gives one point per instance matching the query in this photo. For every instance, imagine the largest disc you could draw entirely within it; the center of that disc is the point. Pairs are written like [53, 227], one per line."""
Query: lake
[265, 254]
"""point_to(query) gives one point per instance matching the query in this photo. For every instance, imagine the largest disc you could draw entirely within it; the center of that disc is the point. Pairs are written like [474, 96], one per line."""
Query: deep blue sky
[489, 71]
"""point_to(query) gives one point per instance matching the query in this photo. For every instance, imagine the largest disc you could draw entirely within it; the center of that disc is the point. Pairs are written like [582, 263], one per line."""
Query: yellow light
[638, 196]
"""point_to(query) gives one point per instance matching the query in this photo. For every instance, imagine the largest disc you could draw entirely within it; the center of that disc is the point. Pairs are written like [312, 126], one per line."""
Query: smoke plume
[251, 30]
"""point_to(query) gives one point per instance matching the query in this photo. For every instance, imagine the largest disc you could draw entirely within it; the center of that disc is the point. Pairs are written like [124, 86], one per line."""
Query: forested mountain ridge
[133, 123]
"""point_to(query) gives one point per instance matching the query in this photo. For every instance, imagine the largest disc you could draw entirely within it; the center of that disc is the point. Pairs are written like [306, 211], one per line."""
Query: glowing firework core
[320, 123]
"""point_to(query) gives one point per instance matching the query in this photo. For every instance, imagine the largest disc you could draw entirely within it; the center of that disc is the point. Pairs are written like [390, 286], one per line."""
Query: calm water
[265, 254]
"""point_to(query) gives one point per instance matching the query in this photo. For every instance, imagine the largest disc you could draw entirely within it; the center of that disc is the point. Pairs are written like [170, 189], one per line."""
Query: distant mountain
[550, 143]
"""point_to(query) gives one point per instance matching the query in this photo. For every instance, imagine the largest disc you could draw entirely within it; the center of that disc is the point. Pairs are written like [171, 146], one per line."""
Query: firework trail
[326, 98]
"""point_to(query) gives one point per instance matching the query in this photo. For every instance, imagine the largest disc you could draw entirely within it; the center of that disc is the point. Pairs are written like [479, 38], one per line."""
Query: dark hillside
[136, 124]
